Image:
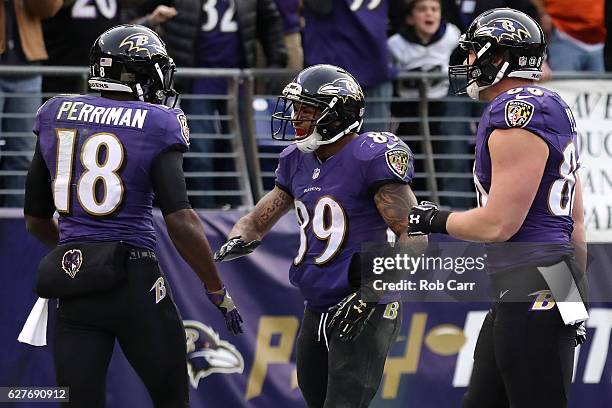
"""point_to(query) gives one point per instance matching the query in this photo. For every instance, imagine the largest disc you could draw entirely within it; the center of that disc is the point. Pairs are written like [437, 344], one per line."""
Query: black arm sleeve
[169, 182]
[38, 195]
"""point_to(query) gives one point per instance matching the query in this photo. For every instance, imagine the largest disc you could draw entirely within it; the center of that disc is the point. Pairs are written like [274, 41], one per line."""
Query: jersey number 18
[96, 172]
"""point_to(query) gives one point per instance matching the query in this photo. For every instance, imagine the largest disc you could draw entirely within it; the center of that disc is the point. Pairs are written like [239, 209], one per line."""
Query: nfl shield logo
[72, 262]
[315, 173]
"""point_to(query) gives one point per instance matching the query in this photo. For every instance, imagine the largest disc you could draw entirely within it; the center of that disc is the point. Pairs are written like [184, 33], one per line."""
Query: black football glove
[425, 218]
[222, 300]
[581, 334]
[350, 316]
[234, 248]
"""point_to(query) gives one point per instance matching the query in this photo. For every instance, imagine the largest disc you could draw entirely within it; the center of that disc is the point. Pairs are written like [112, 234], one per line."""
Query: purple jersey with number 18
[334, 203]
[543, 113]
[99, 153]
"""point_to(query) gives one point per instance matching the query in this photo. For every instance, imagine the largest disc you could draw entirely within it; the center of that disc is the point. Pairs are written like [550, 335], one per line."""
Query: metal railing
[233, 165]
[427, 145]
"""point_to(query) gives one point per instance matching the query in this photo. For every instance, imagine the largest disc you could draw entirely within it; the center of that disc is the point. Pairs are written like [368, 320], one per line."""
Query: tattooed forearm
[277, 202]
[266, 213]
[393, 202]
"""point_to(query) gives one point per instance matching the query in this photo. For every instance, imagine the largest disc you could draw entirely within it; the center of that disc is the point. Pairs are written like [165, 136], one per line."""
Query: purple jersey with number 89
[334, 203]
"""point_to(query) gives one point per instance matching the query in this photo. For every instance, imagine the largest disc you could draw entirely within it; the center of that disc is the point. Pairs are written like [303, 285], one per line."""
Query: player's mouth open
[301, 132]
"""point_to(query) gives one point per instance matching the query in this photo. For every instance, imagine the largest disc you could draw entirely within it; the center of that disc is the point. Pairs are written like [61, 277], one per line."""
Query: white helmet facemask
[313, 141]
[474, 89]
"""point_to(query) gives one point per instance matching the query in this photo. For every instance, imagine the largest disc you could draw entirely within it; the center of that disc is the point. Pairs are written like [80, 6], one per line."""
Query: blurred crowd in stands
[375, 40]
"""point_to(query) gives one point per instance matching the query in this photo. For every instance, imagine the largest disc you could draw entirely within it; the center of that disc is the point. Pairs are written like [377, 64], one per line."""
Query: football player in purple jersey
[347, 188]
[530, 216]
[99, 162]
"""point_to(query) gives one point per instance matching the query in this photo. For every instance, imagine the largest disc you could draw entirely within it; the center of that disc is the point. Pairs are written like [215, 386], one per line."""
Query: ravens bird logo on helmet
[140, 42]
[342, 88]
[503, 28]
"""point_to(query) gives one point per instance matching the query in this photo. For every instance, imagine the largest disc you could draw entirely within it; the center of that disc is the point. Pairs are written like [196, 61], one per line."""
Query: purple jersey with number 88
[543, 113]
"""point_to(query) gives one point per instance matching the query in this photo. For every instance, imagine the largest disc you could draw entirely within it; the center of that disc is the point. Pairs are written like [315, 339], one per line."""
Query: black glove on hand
[425, 218]
[351, 316]
[235, 248]
[581, 334]
[222, 300]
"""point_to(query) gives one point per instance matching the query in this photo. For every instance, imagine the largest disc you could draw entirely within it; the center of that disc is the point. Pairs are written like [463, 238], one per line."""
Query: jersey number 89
[328, 224]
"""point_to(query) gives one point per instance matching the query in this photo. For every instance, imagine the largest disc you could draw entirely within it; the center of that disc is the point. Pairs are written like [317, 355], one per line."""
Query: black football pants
[150, 334]
[523, 359]
[336, 374]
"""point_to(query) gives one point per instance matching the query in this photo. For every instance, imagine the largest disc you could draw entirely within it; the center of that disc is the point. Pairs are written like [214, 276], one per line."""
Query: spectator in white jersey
[423, 43]
[460, 131]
